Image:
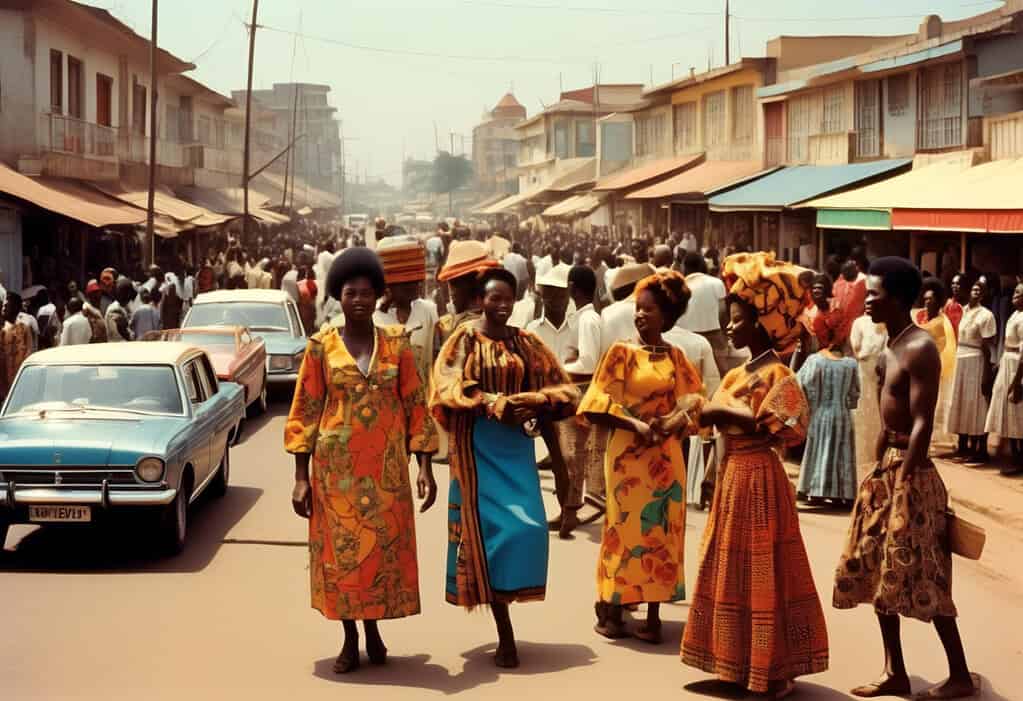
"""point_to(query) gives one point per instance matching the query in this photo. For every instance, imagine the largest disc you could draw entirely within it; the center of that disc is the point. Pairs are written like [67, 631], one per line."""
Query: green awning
[870, 219]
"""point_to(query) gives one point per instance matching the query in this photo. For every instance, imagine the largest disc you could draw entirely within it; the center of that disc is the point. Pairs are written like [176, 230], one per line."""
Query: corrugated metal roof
[790, 186]
[644, 174]
[700, 181]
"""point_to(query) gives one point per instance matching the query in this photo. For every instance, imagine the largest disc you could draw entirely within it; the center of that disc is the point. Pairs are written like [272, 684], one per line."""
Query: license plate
[60, 514]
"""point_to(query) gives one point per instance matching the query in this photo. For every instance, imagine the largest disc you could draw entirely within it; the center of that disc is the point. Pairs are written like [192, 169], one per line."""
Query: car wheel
[174, 521]
[262, 402]
[4, 526]
[218, 487]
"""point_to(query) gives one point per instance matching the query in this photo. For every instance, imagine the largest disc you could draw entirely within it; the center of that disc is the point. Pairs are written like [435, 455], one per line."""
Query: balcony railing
[71, 135]
[135, 148]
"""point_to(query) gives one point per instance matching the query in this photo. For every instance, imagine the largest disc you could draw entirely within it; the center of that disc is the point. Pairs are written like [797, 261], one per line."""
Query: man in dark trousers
[897, 555]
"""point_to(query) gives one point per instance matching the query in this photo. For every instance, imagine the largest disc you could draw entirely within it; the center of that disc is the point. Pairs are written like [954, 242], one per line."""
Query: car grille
[68, 478]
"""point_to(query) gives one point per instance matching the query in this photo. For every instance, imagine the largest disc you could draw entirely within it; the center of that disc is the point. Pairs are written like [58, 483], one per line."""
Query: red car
[236, 354]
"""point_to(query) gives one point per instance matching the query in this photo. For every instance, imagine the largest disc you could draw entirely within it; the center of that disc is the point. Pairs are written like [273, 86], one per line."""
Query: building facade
[495, 148]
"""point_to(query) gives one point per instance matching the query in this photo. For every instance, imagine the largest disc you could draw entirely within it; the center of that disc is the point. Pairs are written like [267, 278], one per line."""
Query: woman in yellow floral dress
[650, 395]
[756, 619]
[359, 410]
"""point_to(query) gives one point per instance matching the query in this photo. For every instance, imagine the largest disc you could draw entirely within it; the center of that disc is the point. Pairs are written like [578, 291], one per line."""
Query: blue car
[269, 314]
[91, 431]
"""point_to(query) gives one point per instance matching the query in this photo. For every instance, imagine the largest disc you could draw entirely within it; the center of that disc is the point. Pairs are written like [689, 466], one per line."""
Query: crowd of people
[660, 376]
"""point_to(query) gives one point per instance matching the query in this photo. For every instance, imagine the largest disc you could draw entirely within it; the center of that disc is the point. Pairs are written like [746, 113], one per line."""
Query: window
[205, 130]
[209, 377]
[171, 124]
[714, 119]
[799, 112]
[75, 94]
[868, 119]
[193, 383]
[585, 143]
[898, 94]
[138, 107]
[104, 99]
[686, 137]
[833, 121]
[296, 322]
[940, 113]
[650, 133]
[56, 82]
[562, 146]
[743, 120]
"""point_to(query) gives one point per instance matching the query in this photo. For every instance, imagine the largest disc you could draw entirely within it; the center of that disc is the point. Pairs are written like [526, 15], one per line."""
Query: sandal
[649, 634]
[347, 661]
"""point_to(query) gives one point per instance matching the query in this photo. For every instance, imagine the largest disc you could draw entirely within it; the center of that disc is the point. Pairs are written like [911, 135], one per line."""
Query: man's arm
[881, 442]
[924, 366]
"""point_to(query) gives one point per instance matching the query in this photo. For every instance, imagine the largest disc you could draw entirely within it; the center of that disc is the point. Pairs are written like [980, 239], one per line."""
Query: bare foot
[952, 689]
[507, 656]
[889, 686]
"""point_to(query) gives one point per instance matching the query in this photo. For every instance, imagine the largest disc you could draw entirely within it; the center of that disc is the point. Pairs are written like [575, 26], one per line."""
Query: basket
[966, 539]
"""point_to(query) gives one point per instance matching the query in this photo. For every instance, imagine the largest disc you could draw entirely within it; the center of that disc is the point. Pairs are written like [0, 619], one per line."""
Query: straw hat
[465, 257]
[630, 274]
[403, 258]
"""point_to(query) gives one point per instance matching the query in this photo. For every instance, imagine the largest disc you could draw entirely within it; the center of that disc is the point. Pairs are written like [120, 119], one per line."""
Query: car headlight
[150, 469]
[279, 363]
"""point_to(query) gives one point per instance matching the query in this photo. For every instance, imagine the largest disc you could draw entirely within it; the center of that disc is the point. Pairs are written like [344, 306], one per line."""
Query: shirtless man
[895, 538]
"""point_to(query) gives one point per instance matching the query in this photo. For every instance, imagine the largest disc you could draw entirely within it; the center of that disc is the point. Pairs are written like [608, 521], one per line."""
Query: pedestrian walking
[490, 380]
[15, 342]
[650, 396]
[754, 578]
[1005, 416]
[974, 377]
[359, 409]
[896, 555]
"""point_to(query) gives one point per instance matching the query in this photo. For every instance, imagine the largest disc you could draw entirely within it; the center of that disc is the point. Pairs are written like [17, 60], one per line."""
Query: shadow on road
[250, 427]
[417, 672]
[123, 546]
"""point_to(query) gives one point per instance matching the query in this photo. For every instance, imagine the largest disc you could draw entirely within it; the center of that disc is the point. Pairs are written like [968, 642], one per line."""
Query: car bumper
[13, 496]
[282, 378]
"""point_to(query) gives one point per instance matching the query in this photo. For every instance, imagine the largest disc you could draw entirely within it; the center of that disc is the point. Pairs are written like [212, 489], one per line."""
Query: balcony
[135, 149]
[816, 149]
[74, 148]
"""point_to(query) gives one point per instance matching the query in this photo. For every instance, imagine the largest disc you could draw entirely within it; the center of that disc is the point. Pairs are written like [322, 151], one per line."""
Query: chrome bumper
[12, 496]
[282, 378]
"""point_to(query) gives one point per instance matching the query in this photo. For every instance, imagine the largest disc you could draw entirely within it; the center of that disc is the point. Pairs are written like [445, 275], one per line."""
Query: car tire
[218, 487]
[174, 521]
[262, 403]
[236, 434]
[4, 527]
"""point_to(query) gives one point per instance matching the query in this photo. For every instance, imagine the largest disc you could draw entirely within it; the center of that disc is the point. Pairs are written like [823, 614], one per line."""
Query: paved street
[87, 616]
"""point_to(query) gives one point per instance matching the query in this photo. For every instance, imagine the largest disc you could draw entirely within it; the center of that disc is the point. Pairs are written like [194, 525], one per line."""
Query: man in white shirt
[618, 320]
[77, 330]
[553, 257]
[48, 322]
[706, 308]
[555, 328]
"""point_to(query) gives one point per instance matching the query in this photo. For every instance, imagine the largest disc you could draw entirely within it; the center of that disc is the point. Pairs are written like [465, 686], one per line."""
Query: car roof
[264, 296]
[151, 353]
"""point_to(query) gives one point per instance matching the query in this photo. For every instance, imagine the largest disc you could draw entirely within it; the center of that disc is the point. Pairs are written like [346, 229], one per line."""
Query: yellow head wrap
[774, 289]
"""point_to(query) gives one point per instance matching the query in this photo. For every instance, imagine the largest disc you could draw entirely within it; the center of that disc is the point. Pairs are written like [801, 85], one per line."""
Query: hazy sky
[390, 100]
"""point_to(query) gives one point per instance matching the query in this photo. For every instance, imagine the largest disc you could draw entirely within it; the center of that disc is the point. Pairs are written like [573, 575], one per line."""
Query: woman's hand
[302, 498]
[426, 485]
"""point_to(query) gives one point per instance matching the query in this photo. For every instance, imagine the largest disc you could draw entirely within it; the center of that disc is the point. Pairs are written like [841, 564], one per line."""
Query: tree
[450, 173]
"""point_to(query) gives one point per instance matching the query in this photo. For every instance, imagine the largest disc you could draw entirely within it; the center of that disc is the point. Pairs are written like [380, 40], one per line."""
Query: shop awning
[791, 186]
[70, 199]
[185, 214]
[305, 195]
[577, 205]
[860, 219]
[702, 180]
[508, 202]
[494, 199]
[647, 173]
[577, 172]
[229, 200]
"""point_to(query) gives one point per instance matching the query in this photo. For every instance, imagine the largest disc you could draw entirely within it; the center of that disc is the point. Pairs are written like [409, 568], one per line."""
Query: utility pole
[150, 248]
[294, 116]
[248, 122]
[452, 135]
[728, 53]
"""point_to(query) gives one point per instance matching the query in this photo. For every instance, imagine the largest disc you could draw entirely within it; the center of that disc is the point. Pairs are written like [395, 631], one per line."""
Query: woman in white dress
[868, 342]
[1005, 417]
[974, 376]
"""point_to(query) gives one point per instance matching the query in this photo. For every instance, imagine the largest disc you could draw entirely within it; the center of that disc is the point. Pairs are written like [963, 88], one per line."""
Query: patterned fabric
[447, 324]
[827, 325]
[584, 458]
[756, 616]
[896, 555]
[360, 430]
[643, 542]
[472, 371]
[832, 388]
[16, 345]
[1005, 418]
[773, 287]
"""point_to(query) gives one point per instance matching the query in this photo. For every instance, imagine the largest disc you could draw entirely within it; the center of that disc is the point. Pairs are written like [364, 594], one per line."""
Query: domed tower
[508, 108]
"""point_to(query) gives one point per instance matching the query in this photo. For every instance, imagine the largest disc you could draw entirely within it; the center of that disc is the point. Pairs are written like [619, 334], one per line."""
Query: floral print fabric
[896, 555]
[360, 430]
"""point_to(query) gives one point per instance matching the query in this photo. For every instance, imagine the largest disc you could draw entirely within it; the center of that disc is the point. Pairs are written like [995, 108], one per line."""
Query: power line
[588, 9]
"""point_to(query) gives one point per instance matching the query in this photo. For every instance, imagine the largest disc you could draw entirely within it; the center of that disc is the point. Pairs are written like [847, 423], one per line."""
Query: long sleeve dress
[832, 388]
[360, 429]
[643, 542]
[755, 616]
[967, 409]
[497, 529]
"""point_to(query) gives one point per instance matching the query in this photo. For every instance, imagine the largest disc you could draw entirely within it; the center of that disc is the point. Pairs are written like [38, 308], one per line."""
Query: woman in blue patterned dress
[831, 383]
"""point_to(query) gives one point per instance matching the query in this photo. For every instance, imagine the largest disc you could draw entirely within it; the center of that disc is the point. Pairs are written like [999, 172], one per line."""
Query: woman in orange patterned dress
[756, 619]
[359, 410]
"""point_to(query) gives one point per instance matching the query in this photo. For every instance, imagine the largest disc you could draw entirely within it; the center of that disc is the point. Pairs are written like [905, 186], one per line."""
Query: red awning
[1000, 221]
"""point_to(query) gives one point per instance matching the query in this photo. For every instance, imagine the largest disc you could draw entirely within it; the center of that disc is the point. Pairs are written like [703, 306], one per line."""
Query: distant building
[495, 147]
[318, 152]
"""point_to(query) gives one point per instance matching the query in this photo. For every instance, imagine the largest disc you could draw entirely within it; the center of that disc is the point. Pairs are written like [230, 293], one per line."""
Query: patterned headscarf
[774, 289]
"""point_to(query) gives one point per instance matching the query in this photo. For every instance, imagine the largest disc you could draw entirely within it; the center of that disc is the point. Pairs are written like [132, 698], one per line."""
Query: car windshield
[257, 316]
[220, 341]
[146, 388]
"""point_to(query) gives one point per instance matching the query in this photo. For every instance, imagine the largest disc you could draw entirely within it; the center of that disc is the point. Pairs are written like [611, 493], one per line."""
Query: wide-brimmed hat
[403, 258]
[630, 274]
[465, 257]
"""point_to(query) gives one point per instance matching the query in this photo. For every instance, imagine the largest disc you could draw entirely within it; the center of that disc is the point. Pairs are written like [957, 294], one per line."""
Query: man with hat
[91, 311]
[404, 261]
[466, 260]
[617, 320]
